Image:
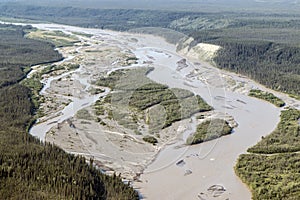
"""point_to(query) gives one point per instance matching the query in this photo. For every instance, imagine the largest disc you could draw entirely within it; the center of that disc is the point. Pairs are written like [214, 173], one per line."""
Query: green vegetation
[209, 130]
[30, 169]
[116, 19]
[267, 96]
[58, 38]
[133, 100]
[82, 34]
[294, 96]
[96, 90]
[35, 85]
[112, 79]
[150, 139]
[285, 138]
[15, 55]
[266, 50]
[52, 68]
[84, 114]
[272, 168]
[264, 47]
[271, 177]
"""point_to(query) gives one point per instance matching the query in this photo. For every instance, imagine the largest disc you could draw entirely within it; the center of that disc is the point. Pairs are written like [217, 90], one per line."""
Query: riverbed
[204, 165]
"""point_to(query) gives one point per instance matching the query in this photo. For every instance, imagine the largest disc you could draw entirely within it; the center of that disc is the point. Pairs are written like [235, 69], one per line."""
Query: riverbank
[207, 164]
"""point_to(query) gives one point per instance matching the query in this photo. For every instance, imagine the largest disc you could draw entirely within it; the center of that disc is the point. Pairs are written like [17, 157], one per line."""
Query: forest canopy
[30, 169]
[265, 47]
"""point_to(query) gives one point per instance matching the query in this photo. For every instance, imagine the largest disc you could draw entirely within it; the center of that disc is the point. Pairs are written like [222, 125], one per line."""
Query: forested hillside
[265, 47]
[109, 19]
[17, 54]
[267, 51]
[274, 65]
[30, 169]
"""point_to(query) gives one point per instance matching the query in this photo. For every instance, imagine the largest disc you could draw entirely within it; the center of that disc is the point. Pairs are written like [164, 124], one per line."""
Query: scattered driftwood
[181, 64]
[180, 163]
[188, 172]
[148, 62]
[200, 196]
[216, 190]
[68, 121]
[243, 102]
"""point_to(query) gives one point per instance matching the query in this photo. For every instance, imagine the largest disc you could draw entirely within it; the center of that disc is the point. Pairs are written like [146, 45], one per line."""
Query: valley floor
[168, 170]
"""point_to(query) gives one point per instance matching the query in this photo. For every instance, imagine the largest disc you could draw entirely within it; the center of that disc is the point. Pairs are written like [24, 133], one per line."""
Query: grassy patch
[209, 130]
[51, 68]
[58, 38]
[83, 34]
[84, 114]
[112, 79]
[35, 85]
[150, 139]
[295, 96]
[54, 68]
[94, 91]
[267, 96]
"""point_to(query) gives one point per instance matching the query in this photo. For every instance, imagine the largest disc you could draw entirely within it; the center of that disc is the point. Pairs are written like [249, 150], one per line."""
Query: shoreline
[156, 157]
[163, 80]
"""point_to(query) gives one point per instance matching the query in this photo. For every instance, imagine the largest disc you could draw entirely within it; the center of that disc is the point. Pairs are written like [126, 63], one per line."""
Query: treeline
[30, 169]
[115, 19]
[272, 62]
[260, 21]
[273, 177]
[274, 65]
[271, 170]
[285, 138]
[17, 54]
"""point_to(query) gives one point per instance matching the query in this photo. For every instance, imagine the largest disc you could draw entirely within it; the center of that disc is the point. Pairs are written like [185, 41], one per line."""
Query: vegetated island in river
[261, 41]
[31, 169]
[149, 104]
[267, 96]
[209, 130]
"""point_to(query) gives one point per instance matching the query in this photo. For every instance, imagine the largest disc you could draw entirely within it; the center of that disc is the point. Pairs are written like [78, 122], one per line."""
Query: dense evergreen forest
[109, 18]
[265, 47]
[273, 60]
[17, 54]
[30, 169]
